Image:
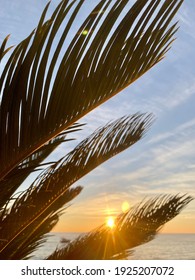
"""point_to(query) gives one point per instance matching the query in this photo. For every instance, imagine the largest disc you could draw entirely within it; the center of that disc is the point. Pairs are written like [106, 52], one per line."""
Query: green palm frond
[137, 226]
[38, 202]
[100, 61]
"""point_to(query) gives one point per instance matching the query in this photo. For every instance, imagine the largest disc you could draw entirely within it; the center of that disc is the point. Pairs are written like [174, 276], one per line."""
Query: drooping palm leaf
[137, 226]
[101, 60]
[43, 197]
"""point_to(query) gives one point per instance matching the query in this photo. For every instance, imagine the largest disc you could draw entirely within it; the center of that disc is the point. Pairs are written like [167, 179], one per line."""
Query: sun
[110, 222]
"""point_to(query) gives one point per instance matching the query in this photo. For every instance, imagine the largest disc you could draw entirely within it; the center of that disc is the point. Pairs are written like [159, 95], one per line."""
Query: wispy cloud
[182, 129]
[186, 17]
[179, 95]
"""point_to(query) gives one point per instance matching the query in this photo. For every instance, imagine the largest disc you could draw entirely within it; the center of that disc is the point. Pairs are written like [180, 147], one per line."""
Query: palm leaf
[43, 197]
[16, 177]
[36, 235]
[94, 67]
[3, 50]
[137, 226]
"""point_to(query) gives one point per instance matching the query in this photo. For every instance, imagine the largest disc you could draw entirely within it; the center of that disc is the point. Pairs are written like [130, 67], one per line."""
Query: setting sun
[110, 222]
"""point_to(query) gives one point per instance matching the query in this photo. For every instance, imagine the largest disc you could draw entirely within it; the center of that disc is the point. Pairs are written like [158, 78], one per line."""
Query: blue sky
[162, 162]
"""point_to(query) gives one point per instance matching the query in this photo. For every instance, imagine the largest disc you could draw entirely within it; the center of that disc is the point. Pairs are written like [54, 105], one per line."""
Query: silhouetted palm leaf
[101, 60]
[3, 50]
[29, 210]
[48, 83]
[137, 226]
[16, 177]
[34, 236]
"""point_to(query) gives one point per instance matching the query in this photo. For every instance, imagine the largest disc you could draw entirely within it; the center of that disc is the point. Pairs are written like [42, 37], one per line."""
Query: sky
[163, 162]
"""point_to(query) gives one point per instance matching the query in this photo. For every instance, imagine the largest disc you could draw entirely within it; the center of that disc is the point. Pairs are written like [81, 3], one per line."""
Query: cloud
[181, 129]
[186, 17]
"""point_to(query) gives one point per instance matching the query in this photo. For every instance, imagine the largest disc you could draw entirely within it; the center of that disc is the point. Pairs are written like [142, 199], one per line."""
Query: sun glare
[85, 32]
[125, 207]
[110, 222]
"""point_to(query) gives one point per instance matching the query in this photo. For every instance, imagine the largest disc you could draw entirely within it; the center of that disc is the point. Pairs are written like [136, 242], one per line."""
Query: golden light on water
[110, 222]
[125, 206]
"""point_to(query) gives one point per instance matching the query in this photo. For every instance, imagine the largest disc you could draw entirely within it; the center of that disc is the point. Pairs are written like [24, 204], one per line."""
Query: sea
[163, 247]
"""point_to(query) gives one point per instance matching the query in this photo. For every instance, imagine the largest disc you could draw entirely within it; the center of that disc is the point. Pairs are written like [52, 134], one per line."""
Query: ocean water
[163, 247]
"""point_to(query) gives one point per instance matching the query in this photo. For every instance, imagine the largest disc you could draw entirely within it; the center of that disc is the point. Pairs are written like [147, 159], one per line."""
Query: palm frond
[3, 49]
[138, 226]
[100, 61]
[36, 240]
[34, 236]
[49, 188]
[16, 177]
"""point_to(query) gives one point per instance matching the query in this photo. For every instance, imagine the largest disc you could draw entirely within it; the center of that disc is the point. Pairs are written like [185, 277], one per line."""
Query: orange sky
[74, 221]
[177, 226]
[84, 226]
